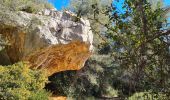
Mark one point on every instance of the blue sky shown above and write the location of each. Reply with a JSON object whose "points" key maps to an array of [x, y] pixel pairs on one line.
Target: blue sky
{"points": [[59, 4], [167, 2]]}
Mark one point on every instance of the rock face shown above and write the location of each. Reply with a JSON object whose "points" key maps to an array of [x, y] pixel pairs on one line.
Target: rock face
{"points": [[27, 33], [62, 57]]}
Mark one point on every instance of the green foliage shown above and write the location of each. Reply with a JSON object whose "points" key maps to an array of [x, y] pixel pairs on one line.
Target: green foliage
{"points": [[40, 95], [139, 46], [136, 43], [60, 82], [88, 8], [148, 96], [92, 81], [18, 82], [30, 6]]}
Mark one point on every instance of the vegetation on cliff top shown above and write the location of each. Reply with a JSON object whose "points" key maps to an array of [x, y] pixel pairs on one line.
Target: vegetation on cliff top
{"points": [[30, 6]]}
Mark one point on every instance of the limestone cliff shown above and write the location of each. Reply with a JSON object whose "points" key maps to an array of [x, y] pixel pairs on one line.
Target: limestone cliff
{"points": [[49, 39]]}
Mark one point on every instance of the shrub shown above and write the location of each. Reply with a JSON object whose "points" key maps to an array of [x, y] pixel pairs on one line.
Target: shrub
{"points": [[18, 82], [40, 95], [30, 6], [94, 80], [148, 96]]}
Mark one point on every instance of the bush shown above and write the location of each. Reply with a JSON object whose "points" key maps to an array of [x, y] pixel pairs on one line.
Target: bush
{"points": [[40, 95], [18, 82], [30, 6], [148, 96], [94, 80]]}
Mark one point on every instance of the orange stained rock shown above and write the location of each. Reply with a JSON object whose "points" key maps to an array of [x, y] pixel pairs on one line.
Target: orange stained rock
{"points": [[15, 47], [60, 57]]}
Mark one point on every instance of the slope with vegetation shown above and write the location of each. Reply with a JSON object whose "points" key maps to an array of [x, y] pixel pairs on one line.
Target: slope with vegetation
{"points": [[31, 6]]}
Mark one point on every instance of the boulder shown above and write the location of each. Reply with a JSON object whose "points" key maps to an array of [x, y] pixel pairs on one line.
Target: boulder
{"points": [[49, 31]]}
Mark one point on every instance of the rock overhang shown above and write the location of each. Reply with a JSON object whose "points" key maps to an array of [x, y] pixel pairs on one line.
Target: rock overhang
{"points": [[28, 33]]}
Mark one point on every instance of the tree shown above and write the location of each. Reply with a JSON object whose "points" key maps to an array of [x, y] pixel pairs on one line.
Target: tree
{"points": [[135, 55], [139, 41], [87, 9]]}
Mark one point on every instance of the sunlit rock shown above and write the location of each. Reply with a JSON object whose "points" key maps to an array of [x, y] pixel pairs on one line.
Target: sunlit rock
{"points": [[48, 30], [61, 57]]}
